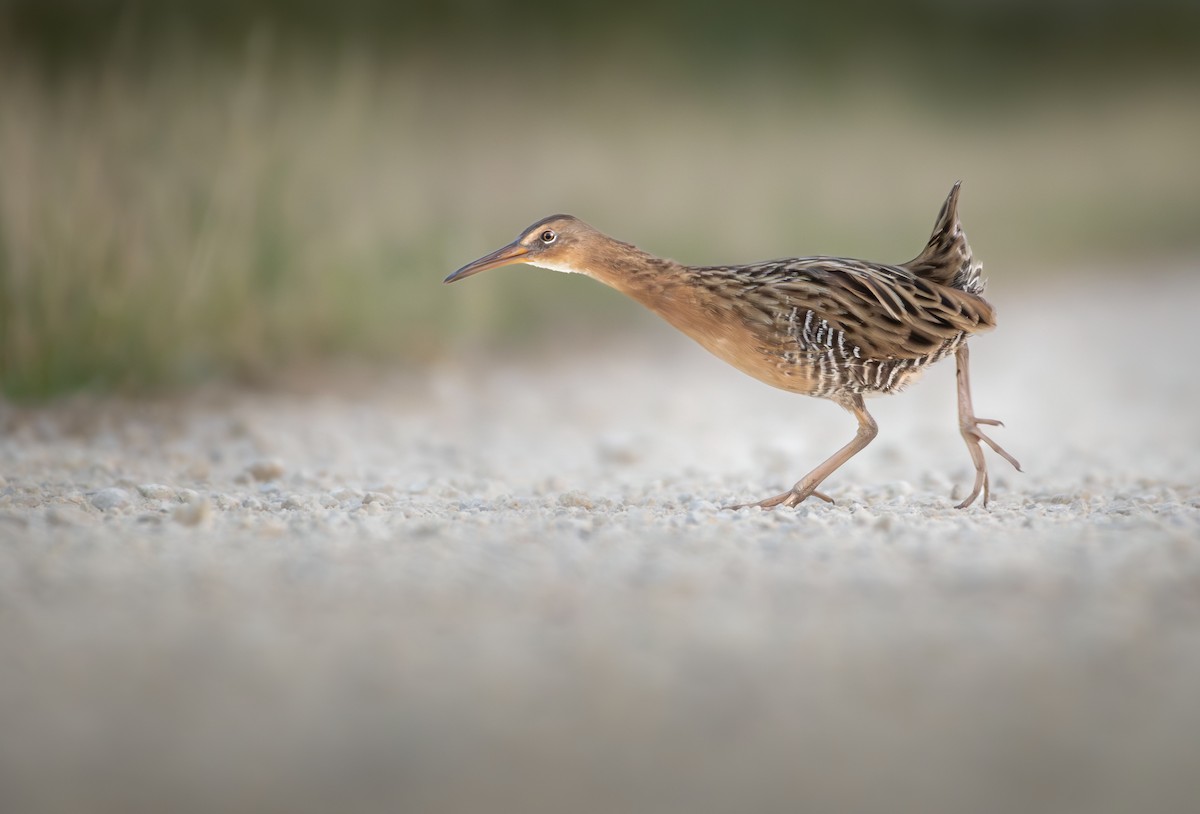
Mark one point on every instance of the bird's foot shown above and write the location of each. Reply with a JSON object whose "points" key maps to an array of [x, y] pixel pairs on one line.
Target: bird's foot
{"points": [[973, 435], [791, 498]]}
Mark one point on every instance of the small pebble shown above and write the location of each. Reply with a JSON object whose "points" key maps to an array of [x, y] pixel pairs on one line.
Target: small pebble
{"points": [[109, 499], [576, 500], [265, 470], [156, 491], [197, 510]]}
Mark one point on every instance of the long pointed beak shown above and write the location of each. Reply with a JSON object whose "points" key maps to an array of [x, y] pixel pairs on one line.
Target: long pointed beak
{"points": [[512, 253]]}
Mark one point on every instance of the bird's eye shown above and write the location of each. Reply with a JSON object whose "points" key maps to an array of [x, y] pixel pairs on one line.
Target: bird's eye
{"points": [[548, 236]]}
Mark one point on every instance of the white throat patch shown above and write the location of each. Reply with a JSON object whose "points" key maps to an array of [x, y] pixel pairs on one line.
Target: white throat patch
{"points": [[563, 267]]}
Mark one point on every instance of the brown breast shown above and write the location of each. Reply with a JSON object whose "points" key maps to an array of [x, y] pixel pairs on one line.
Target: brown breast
{"points": [[825, 327]]}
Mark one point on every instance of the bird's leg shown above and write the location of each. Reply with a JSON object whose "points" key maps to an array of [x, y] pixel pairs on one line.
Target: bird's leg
{"points": [[807, 486], [968, 425]]}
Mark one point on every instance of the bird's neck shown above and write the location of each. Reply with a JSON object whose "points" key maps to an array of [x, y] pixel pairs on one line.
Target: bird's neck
{"points": [[633, 272]]}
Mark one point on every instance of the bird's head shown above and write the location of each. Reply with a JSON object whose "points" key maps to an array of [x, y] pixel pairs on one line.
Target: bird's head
{"points": [[559, 242]]}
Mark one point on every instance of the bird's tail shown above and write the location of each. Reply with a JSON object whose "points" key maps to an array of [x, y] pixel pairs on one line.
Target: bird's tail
{"points": [[947, 258]]}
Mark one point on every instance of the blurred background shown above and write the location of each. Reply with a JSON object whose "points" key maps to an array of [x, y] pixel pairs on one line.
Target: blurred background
{"points": [[233, 188]]}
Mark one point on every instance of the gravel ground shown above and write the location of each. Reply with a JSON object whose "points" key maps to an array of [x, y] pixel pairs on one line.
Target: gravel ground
{"points": [[511, 585]]}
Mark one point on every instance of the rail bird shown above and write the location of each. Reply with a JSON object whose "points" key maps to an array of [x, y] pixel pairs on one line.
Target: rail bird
{"points": [[831, 327]]}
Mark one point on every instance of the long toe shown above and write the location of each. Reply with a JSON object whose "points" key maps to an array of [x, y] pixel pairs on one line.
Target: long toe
{"points": [[999, 450], [793, 498], [981, 485], [772, 502]]}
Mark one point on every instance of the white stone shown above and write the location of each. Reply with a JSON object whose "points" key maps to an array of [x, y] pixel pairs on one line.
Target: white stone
{"points": [[111, 498], [196, 511], [156, 491]]}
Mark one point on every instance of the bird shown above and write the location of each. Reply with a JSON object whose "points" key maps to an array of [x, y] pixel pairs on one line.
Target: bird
{"points": [[830, 327]]}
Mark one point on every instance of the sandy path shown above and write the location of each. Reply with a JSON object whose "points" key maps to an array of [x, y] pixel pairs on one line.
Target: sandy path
{"points": [[512, 586]]}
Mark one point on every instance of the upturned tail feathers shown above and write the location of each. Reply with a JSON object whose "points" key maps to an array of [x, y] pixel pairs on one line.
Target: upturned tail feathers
{"points": [[947, 257]]}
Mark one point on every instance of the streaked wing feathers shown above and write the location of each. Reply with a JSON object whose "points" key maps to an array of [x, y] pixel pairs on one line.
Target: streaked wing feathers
{"points": [[886, 312]]}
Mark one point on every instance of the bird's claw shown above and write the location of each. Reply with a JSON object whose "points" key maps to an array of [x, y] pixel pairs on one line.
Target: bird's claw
{"points": [[973, 436], [971, 428], [791, 498]]}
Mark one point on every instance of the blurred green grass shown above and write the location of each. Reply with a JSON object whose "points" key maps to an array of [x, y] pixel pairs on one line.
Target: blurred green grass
{"points": [[193, 218]]}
